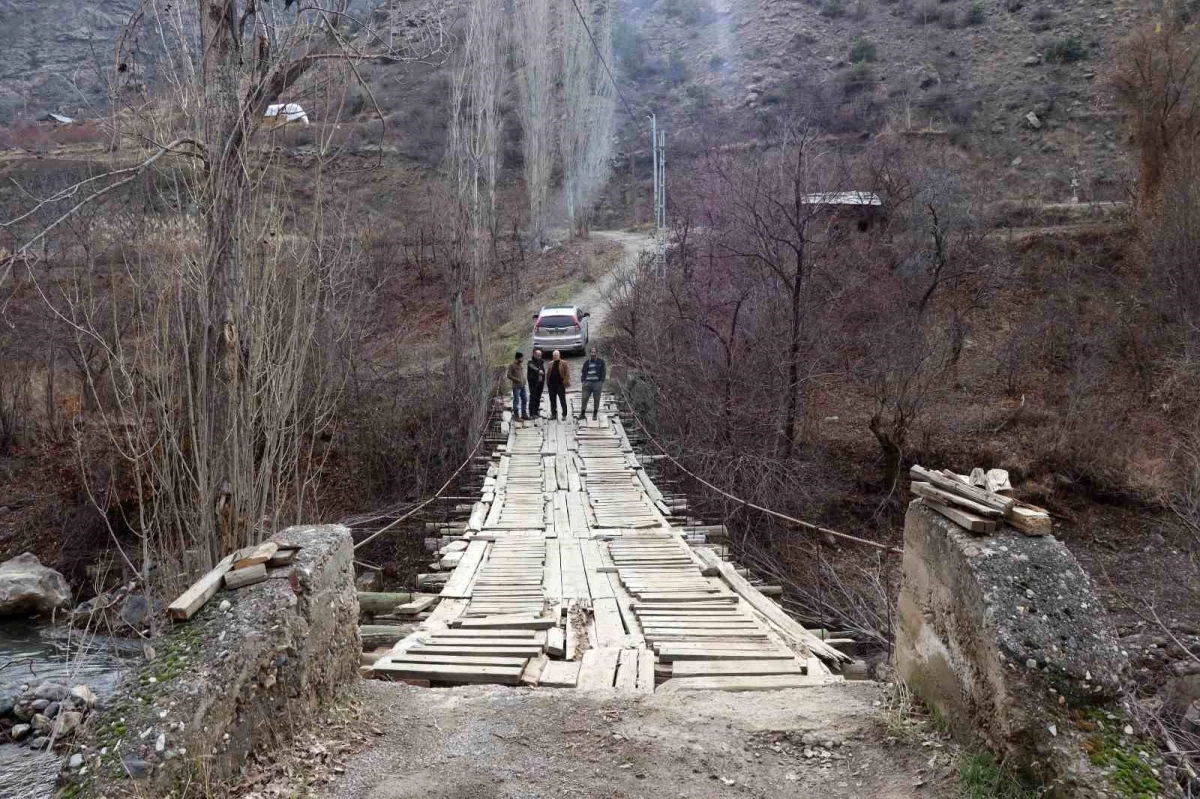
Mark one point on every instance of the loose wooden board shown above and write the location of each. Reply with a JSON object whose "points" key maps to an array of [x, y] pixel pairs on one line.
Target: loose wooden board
{"points": [[441, 672], [742, 668], [252, 556], [768, 682], [200, 592], [247, 576]]}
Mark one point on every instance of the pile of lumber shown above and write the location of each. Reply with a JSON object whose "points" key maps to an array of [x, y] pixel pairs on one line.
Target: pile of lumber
{"points": [[978, 501], [238, 570]]}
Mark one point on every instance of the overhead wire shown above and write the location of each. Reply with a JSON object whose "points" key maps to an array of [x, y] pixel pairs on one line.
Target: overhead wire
{"points": [[600, 55]]}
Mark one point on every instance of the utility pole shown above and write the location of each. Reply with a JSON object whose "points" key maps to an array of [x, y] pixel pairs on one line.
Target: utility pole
{"points": [[658, 141]]}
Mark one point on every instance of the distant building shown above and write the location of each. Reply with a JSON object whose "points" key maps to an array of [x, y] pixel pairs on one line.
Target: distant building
{"points": [[863, 207], [281, 114], [57, 119]]}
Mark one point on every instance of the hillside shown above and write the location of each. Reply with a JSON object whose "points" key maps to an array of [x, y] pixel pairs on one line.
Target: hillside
{"points": [[968, 71]]}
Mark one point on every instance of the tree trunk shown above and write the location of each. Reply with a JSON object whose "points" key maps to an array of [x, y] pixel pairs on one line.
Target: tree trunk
{"points": [[793, 379]]}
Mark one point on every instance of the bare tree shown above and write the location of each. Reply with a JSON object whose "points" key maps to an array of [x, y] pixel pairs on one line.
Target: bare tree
{"points": [[473, 154], [533, 37], [588, 107], [1158, 77], [216, 396]]}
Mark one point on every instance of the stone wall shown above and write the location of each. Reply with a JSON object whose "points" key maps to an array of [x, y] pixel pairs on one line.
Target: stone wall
{"points": [[1004, 636], [245, 672]]}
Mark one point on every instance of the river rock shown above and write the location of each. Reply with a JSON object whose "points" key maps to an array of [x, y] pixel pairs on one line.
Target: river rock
{"points": [[51, 710], [40, 723], [39, 705], [54, 692], [20, 731], [67, 722], [85, 695], [26, 586], [76, 761]]}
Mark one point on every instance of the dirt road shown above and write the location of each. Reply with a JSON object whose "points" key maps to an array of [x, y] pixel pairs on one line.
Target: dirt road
{"points": [[486, 742]]}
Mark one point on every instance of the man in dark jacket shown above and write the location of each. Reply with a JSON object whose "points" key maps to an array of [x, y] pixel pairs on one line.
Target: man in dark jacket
{"points": [[516, 378], [537, 381], [558, 377], [594, 372]]}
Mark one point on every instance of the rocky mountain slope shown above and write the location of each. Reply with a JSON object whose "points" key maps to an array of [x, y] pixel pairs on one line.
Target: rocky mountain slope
{"points": [[1019, 86], [52, 54]]}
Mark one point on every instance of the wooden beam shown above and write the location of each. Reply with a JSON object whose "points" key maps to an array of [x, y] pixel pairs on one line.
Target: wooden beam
{"points": [[252, 556], [929, 491], [200, 592], [1001, 503], [969, 521], [247, 576], [767, 682], [377, 602]]}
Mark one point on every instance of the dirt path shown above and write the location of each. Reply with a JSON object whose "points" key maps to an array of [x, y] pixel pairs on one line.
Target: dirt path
{"points": [[485, 742], [595, 297]]}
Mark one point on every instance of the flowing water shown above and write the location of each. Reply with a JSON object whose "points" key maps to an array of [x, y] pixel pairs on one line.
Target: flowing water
{"points": [[32, 653]]}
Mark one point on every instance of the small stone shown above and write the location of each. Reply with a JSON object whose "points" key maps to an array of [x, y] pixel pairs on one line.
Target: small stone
{"points": [[20, 731], [1032, 61], [76, 761], [39, 705], [51, 710], [135, 767], [224, 606], [39, 742], [161, 743], [1033, 121], [1031, 664], [40, 723]]}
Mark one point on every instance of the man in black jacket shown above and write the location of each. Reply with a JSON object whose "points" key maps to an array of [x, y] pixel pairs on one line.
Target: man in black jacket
{"points": [[537, 381], [593, 373]]}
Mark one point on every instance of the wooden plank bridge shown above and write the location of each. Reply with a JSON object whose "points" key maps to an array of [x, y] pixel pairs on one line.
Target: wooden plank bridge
{"points": [[572, 577]]}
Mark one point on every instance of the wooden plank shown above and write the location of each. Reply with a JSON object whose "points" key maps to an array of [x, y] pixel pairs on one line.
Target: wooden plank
{"points": [[1001, 503], [247, 576], [252, 556], [946, 498], [711, 563], [968, 521], [459, 584], [610, 632], [417, 606], [645, 679], [283, 557], [598, 670], [744, 668], [507, 650], [1030, 520], [669, 653], [775, 615], [560, 674], [191, 600], [459, 660], [515, 635], [514, 622], [442, 672], [627, 670], [533, 670], [767, 682]]}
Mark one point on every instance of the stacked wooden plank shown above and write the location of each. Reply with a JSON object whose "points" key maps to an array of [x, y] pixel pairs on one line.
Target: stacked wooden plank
{"points": [[237, 570], [510, 579], [463, 656], [975, 501]]}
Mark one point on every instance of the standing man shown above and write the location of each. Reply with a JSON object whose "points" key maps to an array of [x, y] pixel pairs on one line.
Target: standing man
{"points": [[558, 377], [594, 372], [516, 376], [536, 374]]}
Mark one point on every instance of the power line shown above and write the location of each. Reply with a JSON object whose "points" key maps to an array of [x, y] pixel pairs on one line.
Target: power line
{"points": [[611, 79]]}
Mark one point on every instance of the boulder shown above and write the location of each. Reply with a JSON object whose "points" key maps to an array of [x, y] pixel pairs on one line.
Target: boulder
{"points": [[51, 691], [20, 731], [66, 723], [40, 723], [26, 586]]}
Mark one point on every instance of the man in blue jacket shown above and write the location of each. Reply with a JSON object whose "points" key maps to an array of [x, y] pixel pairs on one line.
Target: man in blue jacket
{"points": [[593, 373]]}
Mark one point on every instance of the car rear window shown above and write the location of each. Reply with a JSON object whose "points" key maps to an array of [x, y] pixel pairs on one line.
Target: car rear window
{"points": [[556, 321]]}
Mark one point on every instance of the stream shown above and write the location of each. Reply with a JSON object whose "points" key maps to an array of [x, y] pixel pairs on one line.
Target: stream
{"points": [[31, 653]]}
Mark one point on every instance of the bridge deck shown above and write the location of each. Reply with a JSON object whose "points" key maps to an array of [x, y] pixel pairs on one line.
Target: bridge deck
{"points": [[574, 578]]}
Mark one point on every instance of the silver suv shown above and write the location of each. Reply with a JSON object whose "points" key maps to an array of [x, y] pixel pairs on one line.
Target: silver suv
{"points": [[560, 328]]}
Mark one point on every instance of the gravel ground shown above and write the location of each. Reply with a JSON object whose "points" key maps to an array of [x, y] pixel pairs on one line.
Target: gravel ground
{"points": [[486, 742]]}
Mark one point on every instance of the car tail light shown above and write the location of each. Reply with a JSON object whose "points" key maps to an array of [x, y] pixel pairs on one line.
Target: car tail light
{"points": [[577, 327]]}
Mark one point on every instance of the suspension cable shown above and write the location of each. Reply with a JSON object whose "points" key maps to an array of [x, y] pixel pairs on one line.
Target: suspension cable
{"points": [[748, 504]]}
